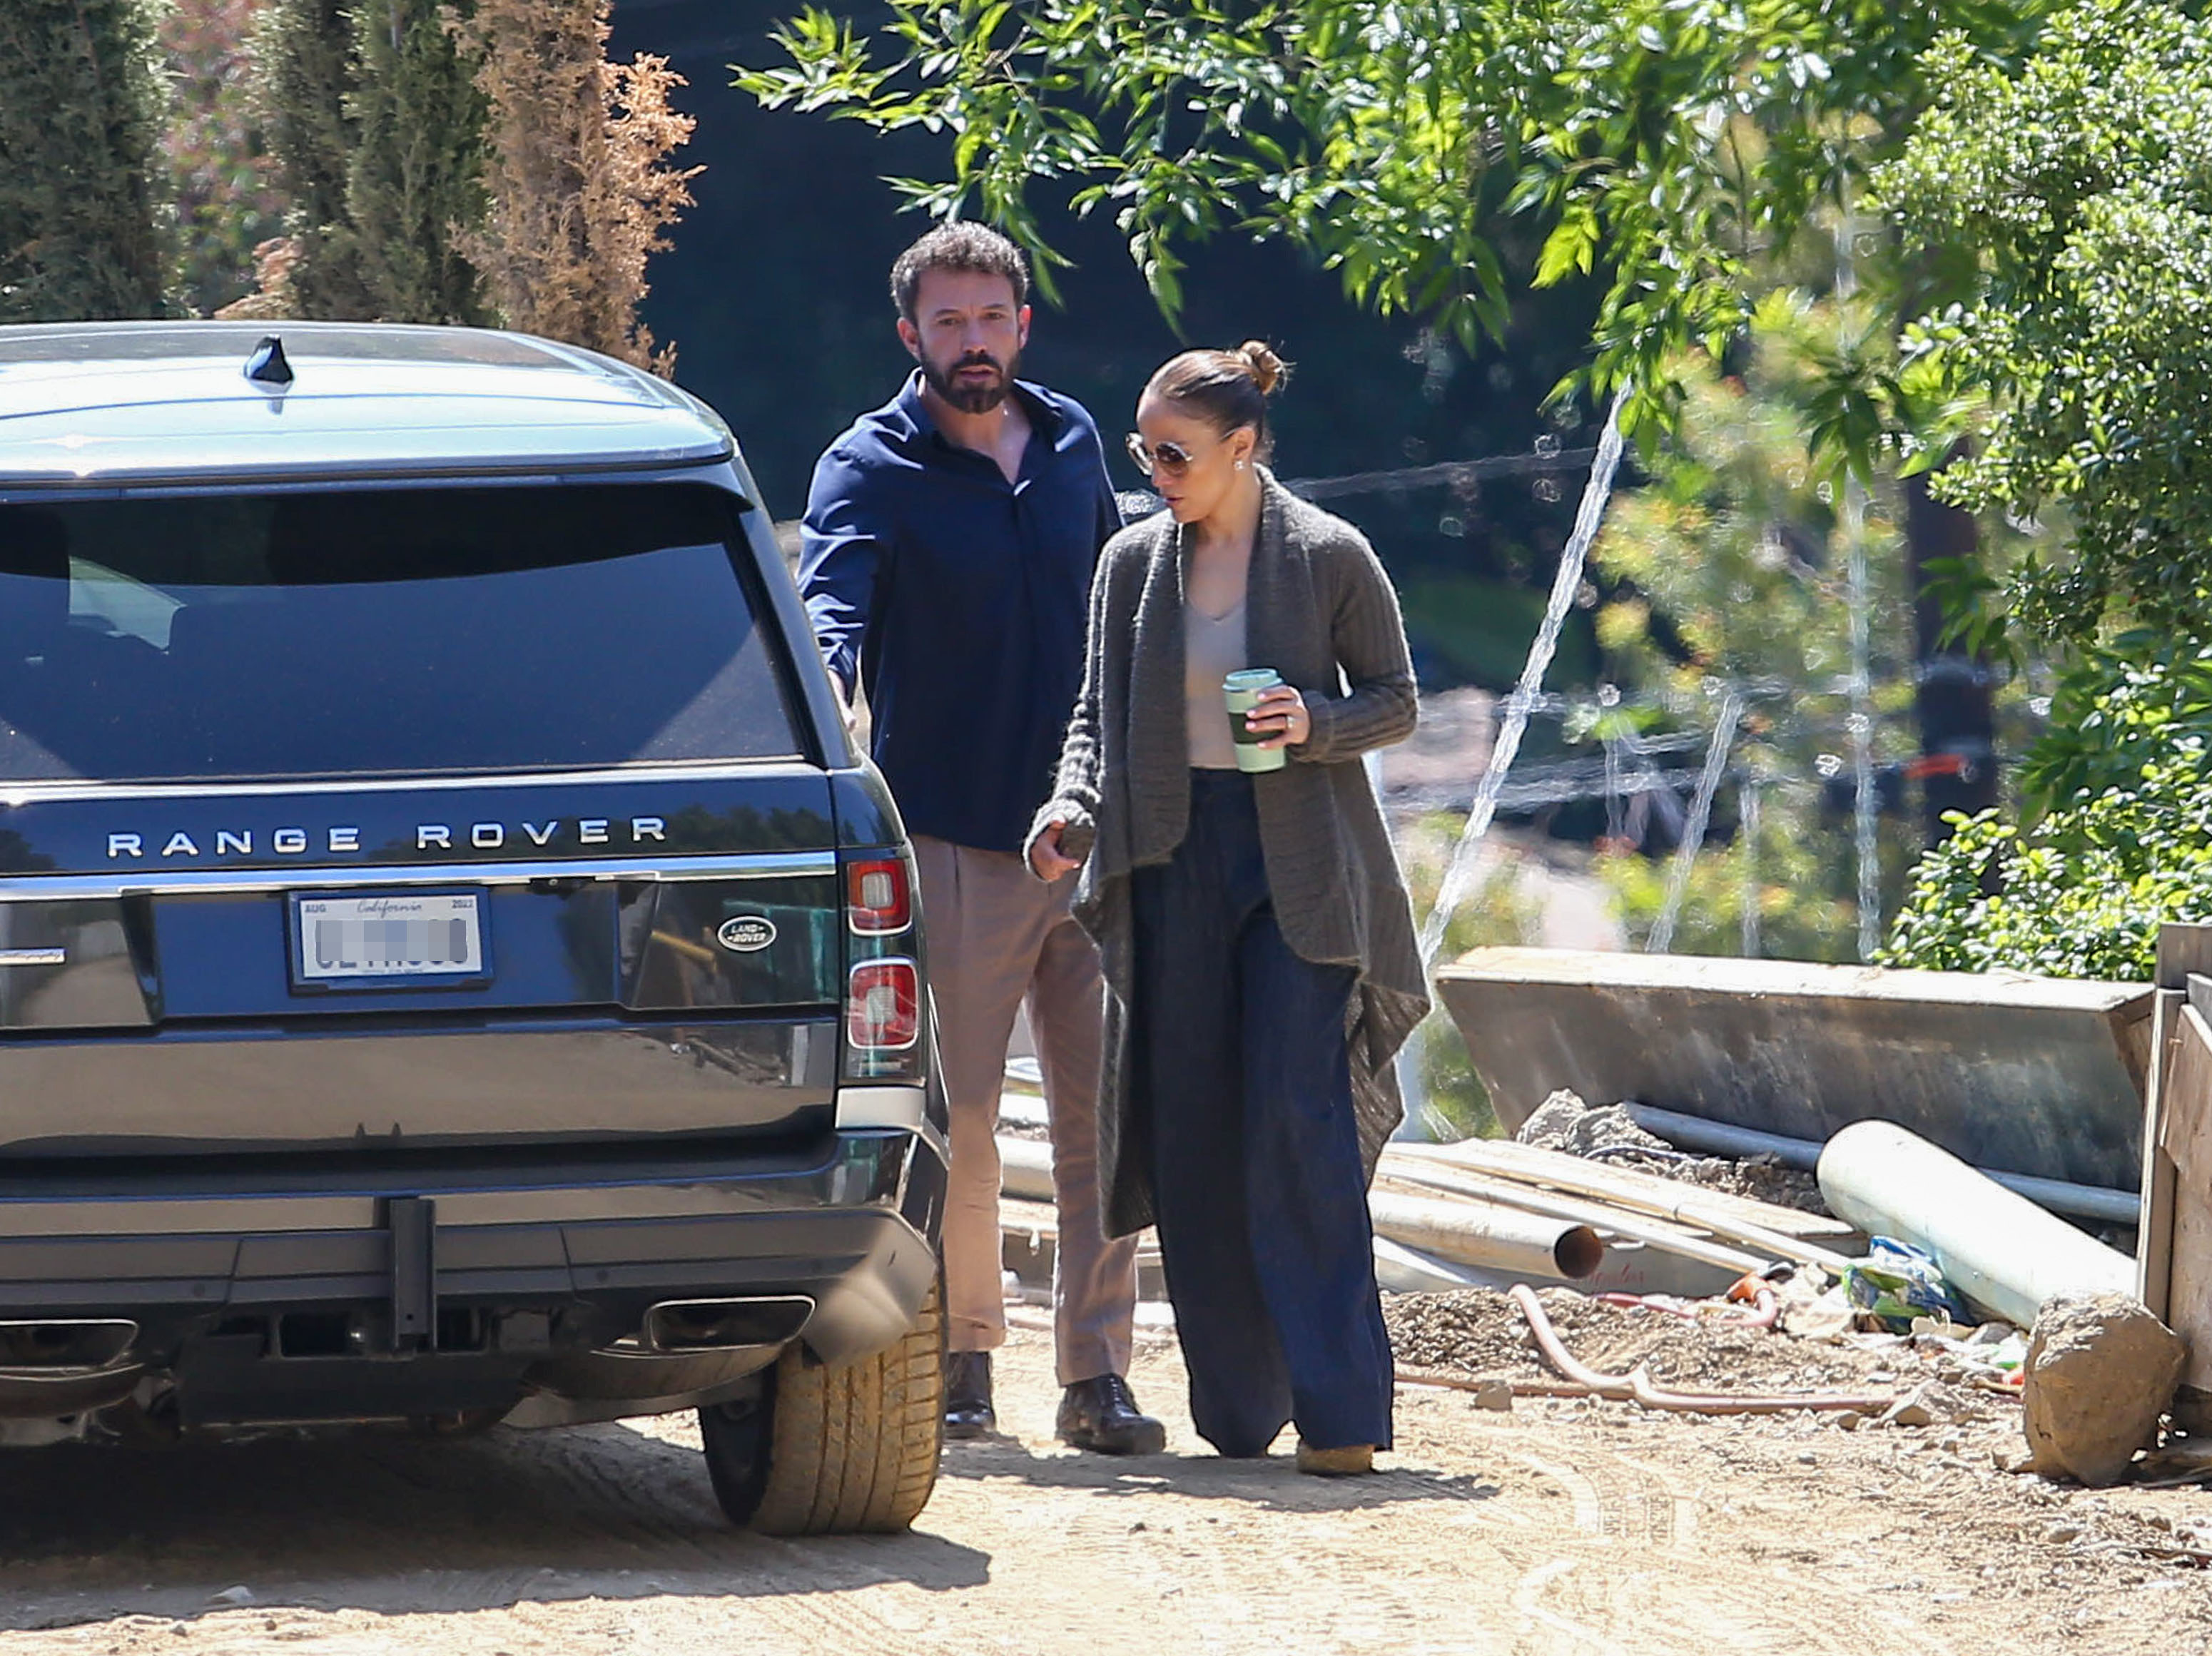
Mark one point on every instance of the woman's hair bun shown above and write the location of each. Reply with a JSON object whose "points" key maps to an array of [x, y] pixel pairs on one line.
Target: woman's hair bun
{"points": [[1269, 370]]}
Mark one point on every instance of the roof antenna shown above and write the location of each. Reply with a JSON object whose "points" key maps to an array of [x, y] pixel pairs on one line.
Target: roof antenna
{"points": [[267, 366]]}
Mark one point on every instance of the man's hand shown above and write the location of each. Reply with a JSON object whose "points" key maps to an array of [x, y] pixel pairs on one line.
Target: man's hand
{"points": [[1045, 855], [1281, 716], [844, 693]]}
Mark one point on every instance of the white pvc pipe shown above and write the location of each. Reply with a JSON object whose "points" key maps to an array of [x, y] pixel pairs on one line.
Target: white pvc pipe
{"points": [[1483, 1234], [2001, 1252], [1402, 1270], [1694, 1132], [1026, 1169]]}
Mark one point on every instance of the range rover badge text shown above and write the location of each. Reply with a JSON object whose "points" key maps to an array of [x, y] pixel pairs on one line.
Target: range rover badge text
{"points": [[559, 834]]}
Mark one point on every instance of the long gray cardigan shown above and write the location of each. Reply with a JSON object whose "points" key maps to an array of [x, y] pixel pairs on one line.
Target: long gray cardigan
{"points": [[1316, 600]]}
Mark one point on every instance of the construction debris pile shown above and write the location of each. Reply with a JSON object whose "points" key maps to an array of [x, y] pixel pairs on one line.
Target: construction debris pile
{"points": [[1484, 1334], [1877, 1281], [1586, 1197], [1682, 1360], [1565, 1123]]}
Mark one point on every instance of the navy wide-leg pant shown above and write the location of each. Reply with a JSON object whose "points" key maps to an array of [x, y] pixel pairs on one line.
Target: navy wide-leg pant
{"points": [[1255, 1167]]}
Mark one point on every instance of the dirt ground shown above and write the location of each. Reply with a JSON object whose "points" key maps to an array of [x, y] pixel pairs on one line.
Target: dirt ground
{"points": [[1558, 1528]]}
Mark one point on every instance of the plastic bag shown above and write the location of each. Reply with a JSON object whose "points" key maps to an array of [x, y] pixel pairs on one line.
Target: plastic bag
{"points": [[1897, 1282]]}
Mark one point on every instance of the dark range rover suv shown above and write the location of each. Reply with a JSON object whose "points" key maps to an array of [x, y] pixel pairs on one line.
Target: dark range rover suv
{"points": [[454, 968]]}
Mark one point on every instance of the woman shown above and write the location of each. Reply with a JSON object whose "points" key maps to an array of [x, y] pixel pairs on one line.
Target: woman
{"points": [[1258, 943]]}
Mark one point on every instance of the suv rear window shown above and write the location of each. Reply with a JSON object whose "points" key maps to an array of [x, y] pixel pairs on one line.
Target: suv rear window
{"points": [[391, 632]]}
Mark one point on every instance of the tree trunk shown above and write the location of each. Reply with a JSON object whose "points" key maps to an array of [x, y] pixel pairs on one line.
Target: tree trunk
{"points": [[1952, 690]]}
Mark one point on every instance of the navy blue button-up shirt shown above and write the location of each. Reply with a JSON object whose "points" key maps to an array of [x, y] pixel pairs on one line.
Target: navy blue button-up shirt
{"points": [[958, 601]]}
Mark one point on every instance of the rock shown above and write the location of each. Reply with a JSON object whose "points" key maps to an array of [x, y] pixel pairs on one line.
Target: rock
{"points": [[232, 1596], [1911, 1409], [1563, 1122], [1494, 1394], [2100, 1370], [1553, 1121]]}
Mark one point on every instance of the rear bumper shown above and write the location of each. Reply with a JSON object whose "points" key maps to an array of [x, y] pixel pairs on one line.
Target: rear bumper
{"points": [[466, 1290]]}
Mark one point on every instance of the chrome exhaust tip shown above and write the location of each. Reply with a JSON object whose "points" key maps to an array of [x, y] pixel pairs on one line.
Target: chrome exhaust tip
{"points": [[54, 1347], [726, 1325]]}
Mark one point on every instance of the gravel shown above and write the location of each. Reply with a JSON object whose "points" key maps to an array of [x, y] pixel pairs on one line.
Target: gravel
{"points": [[1477, 1331]]}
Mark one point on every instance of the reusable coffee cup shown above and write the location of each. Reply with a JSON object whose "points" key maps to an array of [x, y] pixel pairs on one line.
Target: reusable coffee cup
{"points": [[1240, 690]]}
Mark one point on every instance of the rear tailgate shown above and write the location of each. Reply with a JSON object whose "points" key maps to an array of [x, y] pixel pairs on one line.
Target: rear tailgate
{"points": [[405, 816], [667, 961]]}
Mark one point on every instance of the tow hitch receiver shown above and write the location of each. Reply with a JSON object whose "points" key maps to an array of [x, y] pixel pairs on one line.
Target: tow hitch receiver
{"points": [[412, 1222]]}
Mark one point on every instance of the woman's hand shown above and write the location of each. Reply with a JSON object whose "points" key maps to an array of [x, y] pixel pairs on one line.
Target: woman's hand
{"points": [[1045, 855], [1280, 715]]}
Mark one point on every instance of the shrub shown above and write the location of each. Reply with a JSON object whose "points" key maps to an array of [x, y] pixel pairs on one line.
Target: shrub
{"points": [[81, 118], [580, 189], [2079, 894]]}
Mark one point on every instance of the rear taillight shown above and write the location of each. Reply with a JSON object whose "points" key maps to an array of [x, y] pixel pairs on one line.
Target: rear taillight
{"points": [[882, 1006], [877, 898]]}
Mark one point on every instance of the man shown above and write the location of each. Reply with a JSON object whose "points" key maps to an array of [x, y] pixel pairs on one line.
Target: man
{"points": [[948, 547]]}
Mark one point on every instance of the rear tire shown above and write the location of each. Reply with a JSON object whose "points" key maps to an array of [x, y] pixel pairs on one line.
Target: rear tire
{"points": [[842, 1449]]}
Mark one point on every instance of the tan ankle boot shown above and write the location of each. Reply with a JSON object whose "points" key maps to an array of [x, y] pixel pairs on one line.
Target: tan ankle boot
{"points": [[1351, 1461]]}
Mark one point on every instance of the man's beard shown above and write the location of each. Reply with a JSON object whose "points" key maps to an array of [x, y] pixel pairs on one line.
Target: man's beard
{"points": [[971, 399]]}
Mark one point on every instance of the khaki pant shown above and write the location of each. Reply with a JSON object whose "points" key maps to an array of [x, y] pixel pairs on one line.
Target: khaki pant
{"points": [[999, 935]]}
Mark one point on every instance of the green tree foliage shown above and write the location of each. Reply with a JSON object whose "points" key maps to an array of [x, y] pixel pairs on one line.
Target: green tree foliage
{"points": [[304, 77], [1726, 573], [222, 179], [2078, 364], [414, 189], [2118, 708], [2081, 894], [2081, 363], [377, 127], [1674, 147], [81, 102], [1734, 545]]}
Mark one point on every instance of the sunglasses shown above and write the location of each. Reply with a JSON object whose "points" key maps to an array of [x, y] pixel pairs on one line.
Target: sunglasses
{"points": [[1172, 458]]}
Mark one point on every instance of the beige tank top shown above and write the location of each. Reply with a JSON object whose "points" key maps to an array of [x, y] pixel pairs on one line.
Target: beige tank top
{"points": [[1213, 648]]}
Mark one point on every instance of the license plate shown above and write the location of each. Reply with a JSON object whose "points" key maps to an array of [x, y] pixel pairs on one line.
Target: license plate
{"points": [[399, 937]]}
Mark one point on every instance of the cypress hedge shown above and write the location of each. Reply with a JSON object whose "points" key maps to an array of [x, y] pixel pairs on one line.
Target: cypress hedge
{"points": [[83, 101]]}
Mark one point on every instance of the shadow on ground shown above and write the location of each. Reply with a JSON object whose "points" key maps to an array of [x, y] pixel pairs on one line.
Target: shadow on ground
{"points": [[393, 1524], [1273, 1483]]}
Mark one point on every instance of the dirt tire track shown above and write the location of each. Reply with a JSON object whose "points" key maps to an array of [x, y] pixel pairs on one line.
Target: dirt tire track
{"points": [[1554, 1530]]}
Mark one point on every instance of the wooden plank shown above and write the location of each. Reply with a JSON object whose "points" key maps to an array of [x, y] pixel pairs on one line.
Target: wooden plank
{"points": [[2185, 1140], [2133, 1031], [2183, 949], [2188, 1309], [2186, 1124], [1647, 1193], [2183, 952], [2155, 1241]]}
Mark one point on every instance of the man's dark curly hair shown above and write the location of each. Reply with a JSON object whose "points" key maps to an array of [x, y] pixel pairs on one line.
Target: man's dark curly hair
{"points": [[959, 245]]}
